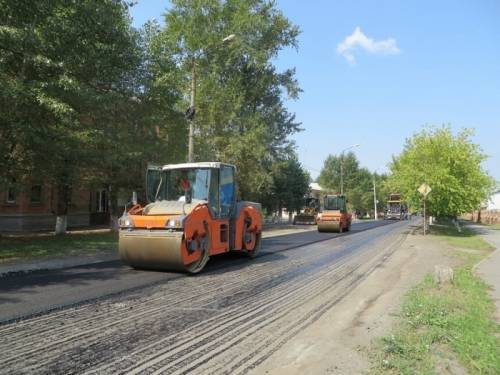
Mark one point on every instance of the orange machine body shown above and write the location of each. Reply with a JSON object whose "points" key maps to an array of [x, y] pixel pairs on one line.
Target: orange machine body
{"points": [[334, 216], [185, 240]]}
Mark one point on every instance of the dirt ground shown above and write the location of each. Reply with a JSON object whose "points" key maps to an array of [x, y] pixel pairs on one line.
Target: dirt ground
{"points": [[338, 343]]}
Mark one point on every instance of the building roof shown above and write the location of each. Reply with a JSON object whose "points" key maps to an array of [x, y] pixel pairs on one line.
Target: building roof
{"points": [[204, 164], [494, 202], [315, 186]]}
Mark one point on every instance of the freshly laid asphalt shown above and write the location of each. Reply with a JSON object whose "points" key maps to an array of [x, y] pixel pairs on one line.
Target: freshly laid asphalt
{"points": [[27, 294]]}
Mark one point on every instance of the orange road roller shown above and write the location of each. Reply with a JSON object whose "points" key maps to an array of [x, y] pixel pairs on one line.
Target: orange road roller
{"points": [[192, 215], [334, 216]]}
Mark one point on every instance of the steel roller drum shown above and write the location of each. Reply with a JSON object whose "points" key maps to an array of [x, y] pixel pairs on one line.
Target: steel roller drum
{"points": [[159, 250], [329, 226]]}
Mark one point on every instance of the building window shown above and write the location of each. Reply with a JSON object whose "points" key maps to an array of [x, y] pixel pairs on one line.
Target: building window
{"points": [[36, 194], [11, 194], [101, 201]]}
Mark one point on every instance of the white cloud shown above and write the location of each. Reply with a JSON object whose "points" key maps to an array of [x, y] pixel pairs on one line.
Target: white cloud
{"points": [[359, 41]]}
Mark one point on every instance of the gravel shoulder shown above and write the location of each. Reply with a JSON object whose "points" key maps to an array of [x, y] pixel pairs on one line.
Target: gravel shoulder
{"points": [[339, 342]]}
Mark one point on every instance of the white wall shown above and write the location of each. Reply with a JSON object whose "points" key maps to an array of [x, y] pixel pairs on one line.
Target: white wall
{"points": [[494, 202]]}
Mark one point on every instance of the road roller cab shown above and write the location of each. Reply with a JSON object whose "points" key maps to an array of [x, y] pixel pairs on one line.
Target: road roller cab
{"points": [[334, 216], [192, 214]]}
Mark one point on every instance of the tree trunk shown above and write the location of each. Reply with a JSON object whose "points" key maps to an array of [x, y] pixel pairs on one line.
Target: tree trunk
{"points": [[290, 217], [61, 224], [63, 192], [113, 209]]}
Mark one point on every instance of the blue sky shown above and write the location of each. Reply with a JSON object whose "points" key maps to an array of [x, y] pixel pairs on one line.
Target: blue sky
{"points": [[410, 64]]}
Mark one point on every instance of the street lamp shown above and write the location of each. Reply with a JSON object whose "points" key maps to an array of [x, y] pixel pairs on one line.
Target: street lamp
{"points": [[375, 195], [342, 167], [191, 110]]}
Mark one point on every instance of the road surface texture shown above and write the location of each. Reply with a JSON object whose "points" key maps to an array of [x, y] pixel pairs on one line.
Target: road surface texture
{"points": [[108, 318]]}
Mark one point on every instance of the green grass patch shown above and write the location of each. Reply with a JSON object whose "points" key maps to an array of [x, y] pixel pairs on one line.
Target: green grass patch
{"points": [[494, 226], [443, 327], [465, 239], [23, 248]]}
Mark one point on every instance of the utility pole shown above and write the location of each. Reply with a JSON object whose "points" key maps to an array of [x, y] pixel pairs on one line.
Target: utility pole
{"points": [[341, 174], [425, 219], [375, 198], [191, 112]]}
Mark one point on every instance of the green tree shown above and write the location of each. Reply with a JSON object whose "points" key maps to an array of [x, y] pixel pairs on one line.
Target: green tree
{"points": [[290, 184], [240, 116], [383, 190], [329, 176], [360, 195], [67, 74], [450, 164], [357, 181]]}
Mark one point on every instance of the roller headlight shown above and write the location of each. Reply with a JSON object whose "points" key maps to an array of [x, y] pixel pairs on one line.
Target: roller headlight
{"points": [[175, 223], [126, 222]]}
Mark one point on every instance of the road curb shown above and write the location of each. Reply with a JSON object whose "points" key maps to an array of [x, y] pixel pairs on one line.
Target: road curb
{"points": [[484, 260], [53, 264], [475, 266], [25, 267]]}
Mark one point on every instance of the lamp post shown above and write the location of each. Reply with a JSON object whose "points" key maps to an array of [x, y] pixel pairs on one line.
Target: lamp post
{"points": [[342, 167], [375, 195], [191, 110]]}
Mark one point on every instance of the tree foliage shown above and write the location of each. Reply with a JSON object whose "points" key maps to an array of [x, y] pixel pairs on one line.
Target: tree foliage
{"points": [[240, 115], [358, 181], [450, 164], [87, 99], [290, 184], [63, 66]]}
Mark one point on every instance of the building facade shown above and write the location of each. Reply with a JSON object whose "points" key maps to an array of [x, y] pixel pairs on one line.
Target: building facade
{"points": [[33, 208]]}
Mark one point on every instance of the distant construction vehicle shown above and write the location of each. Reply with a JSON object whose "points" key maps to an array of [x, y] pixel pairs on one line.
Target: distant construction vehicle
{"points": [[308, 214], [192, 215], [396, 209], [334, 216]]}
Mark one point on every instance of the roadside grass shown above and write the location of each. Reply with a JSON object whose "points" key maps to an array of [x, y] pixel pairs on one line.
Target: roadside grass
{"points": [[445, 328], [23, 248], [466, 239]]}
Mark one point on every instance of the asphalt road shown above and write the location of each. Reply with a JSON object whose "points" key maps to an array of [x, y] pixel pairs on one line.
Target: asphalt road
{"points": [[109, 318]]}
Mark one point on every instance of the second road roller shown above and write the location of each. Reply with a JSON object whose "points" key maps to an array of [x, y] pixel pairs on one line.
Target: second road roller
{"points": [[192, 215], [334, 216]]}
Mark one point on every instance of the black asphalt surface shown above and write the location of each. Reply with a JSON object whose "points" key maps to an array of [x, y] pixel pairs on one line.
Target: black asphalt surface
{"points": [[29, 294]]}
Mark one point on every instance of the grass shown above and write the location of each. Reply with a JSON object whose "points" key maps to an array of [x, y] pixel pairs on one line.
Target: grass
{"points": [[494, 226], [445, 328], [23, 248], [442, 328], [466, 239]]}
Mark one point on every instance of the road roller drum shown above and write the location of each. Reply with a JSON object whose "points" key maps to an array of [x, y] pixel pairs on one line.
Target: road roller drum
{"points": [[192, 215], [334, 216]]}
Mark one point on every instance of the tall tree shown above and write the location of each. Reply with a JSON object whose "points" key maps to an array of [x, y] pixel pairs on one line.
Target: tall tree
{"points": [[290, 184], [330, 175], [66, 71], [451, 164], [240, 116], [357, 181]]}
